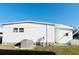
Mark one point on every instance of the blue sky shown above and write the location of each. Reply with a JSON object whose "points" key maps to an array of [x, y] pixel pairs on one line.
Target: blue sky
{"points": [[55, 13]]}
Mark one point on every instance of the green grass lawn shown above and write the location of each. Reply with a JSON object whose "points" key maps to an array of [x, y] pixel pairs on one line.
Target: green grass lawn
{"points": [[7, 46], [60, 50]]}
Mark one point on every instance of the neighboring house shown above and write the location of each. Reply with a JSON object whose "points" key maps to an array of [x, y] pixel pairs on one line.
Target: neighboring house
{"points": [[49, 33]]}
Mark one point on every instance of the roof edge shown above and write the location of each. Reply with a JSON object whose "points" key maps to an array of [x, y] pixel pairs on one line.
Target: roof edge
{"points": [[37, 22]]}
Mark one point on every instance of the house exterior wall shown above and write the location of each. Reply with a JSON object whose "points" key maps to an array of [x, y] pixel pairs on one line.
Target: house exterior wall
{"points": [[61, 37], [1, 35], [31, 31], [50, 34]]}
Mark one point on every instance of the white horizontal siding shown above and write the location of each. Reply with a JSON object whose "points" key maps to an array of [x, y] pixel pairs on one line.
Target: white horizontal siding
{"points": [[31, 32]]}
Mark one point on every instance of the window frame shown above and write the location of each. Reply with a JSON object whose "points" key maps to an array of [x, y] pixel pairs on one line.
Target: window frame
{"points": [[66, 34], [15, 29], [21, 29]]}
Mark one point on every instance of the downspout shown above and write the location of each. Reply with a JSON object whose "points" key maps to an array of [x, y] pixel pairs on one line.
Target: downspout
{"points": [[46, 35], [55, 34]]}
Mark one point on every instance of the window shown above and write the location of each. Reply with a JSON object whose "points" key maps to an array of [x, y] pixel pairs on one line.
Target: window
{"points": [[66, 34], [15, 29], [21, 29], [18, 30]]}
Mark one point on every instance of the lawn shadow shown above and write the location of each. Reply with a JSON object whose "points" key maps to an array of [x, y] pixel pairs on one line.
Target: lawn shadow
{"points": [[25, 52]]}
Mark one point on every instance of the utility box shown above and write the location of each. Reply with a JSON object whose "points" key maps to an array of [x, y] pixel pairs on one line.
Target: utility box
{"points": [[27, 44]]}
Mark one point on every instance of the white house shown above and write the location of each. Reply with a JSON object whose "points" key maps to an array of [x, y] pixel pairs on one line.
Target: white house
{"points": [[42, 32]]}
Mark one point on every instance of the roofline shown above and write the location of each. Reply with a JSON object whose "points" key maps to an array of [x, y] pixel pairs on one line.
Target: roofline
{"points": [[64, 28], [35, 22], [19, 22]]}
